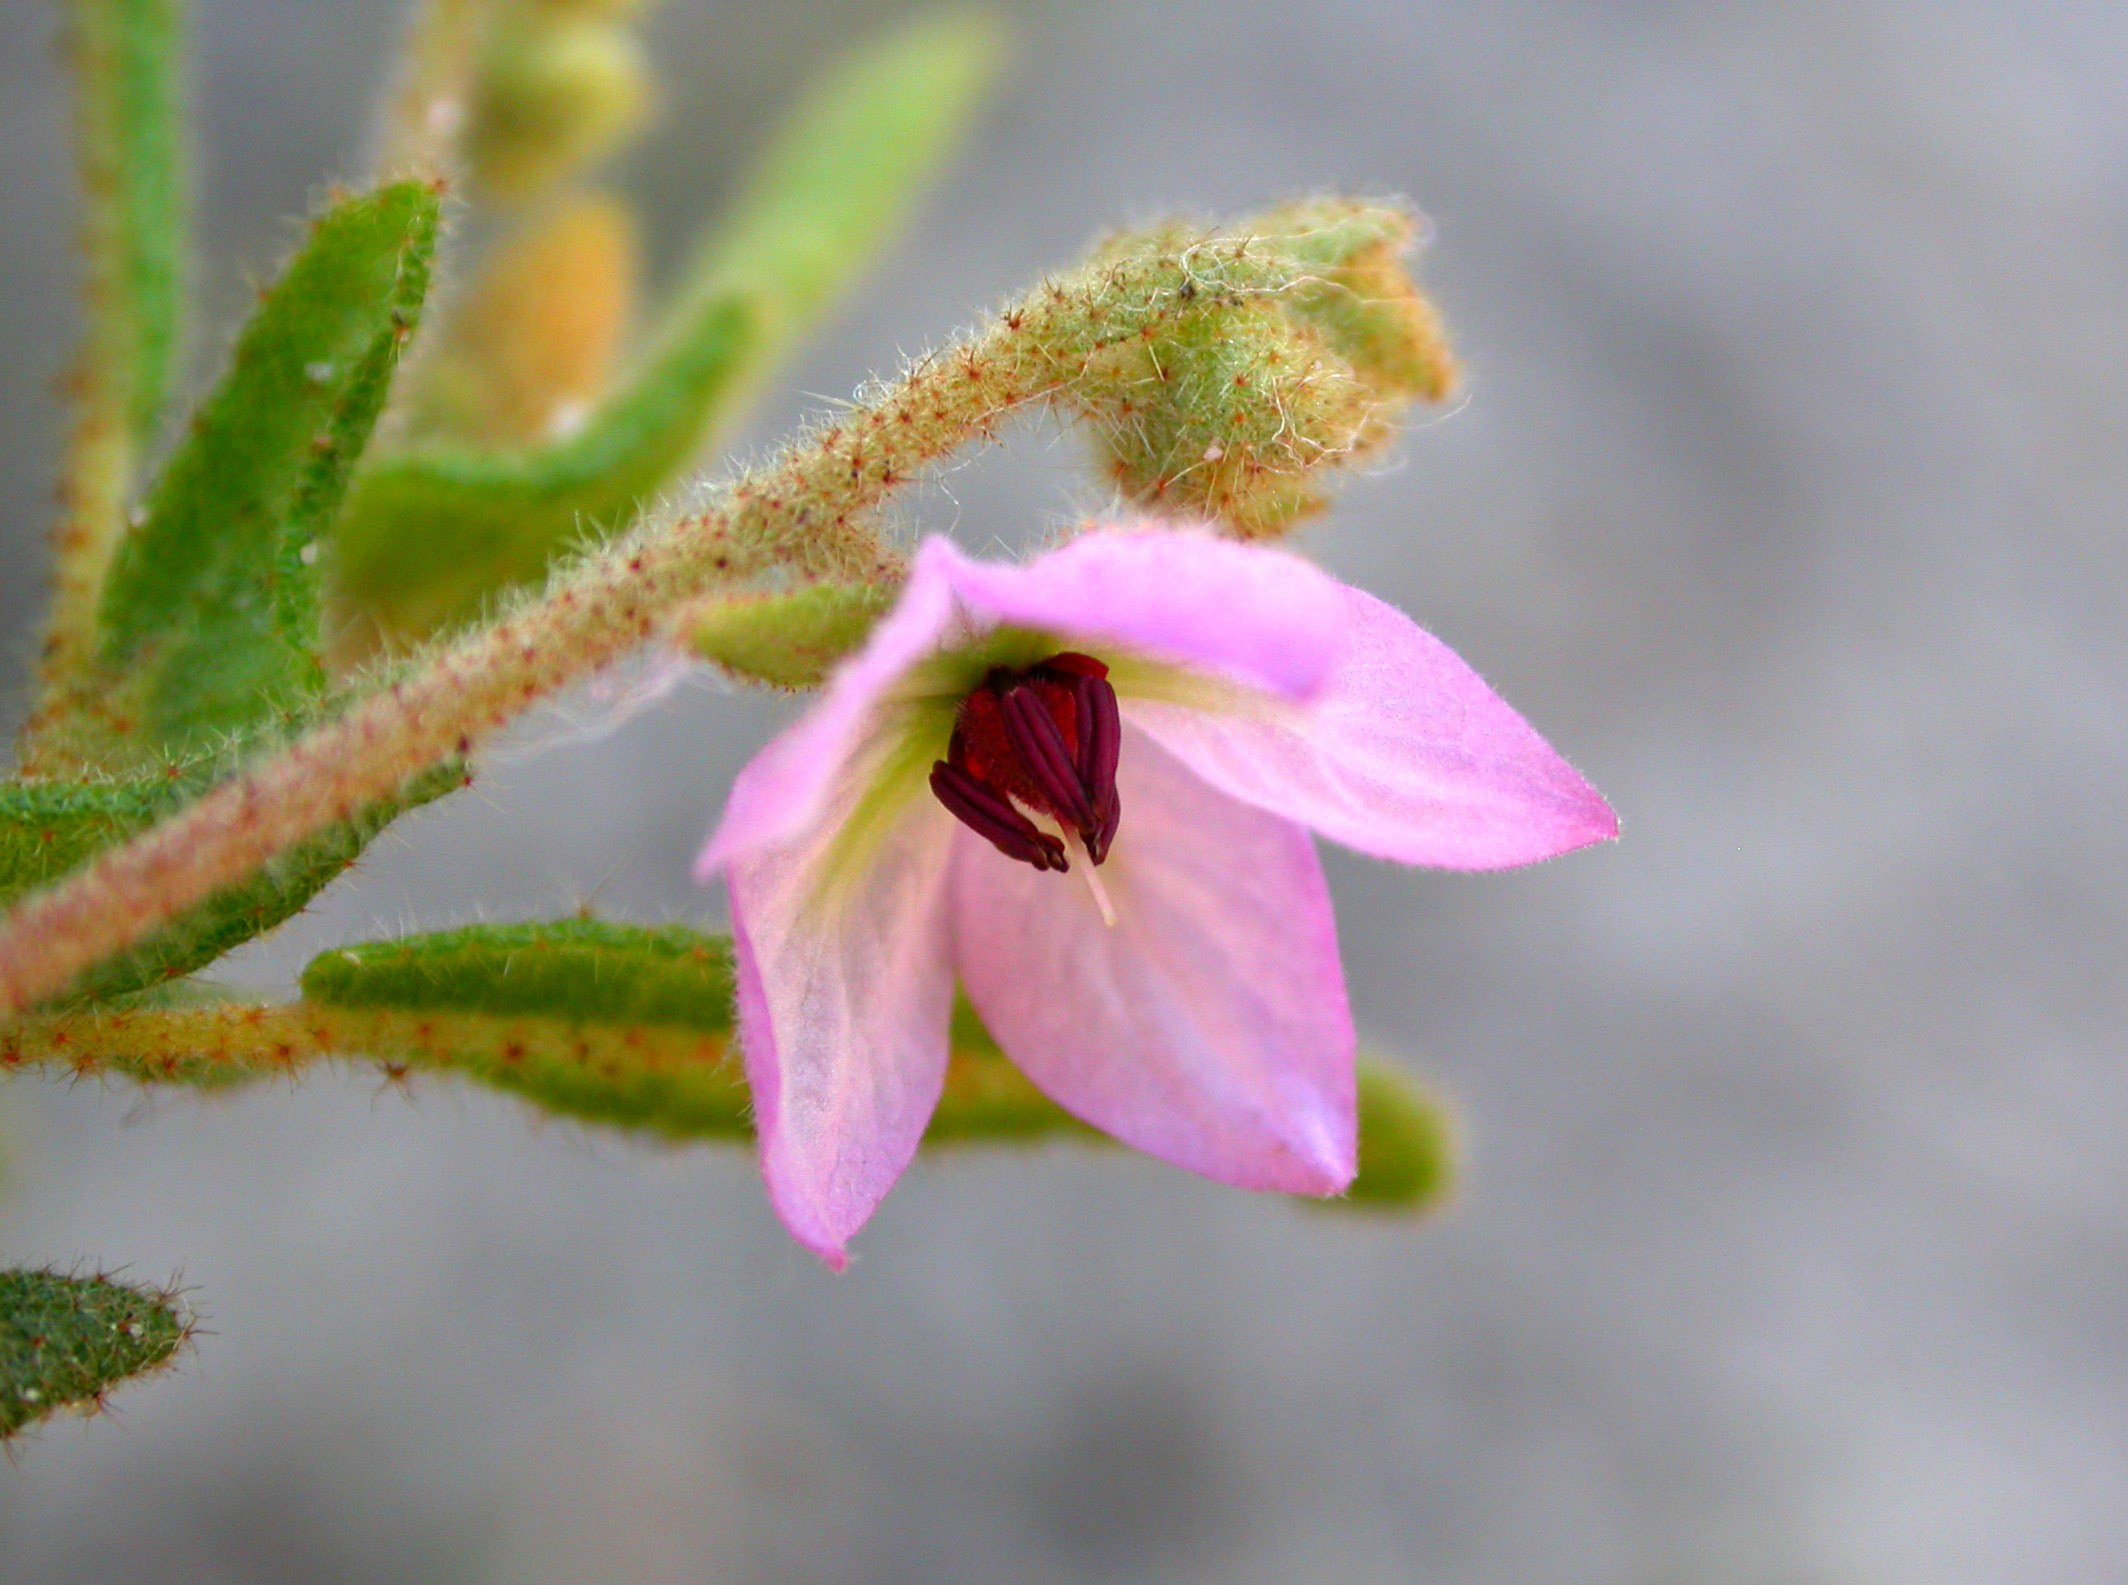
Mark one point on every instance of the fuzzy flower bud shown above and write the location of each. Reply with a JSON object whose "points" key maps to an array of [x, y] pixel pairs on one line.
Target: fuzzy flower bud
{"points": [[557, 94]]}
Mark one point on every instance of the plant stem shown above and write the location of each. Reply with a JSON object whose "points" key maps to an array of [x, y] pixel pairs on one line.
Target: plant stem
{"points": [[809, 510], [217, 1045], [433, 100]]}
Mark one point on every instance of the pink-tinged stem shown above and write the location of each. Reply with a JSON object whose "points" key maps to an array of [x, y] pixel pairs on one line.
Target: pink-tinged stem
{"points": [[810, 510]]}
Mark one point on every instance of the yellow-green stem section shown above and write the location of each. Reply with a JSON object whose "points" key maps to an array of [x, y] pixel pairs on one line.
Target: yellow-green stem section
{"points": [[433, 99], [117, 378], [682, 1084]]}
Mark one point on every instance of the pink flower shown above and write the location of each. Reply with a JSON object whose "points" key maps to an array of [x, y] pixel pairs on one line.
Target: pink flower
{"points": [[1084, 788]]}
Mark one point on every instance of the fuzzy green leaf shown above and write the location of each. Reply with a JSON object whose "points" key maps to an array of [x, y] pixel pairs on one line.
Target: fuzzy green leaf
{"points": [[210, 617], [570, 1014], [432, 532], [127, 54], [583, 970], [791, 640], [49, 828], [66, 1341], [270, 896]]}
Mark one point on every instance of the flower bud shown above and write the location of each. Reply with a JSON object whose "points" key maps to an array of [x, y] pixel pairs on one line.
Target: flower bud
{"points": [[556, 95]]}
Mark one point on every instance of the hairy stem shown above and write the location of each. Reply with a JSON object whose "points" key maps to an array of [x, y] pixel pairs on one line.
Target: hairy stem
{"points": [[227, 1045], [678, 1082], [808, 510]]}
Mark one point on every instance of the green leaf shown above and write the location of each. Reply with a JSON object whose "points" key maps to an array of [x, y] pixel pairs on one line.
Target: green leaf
{"points": [[47, 828], [432, 532], [566, 1014], [582, 970], [1408, 1147], [569, 1015], [210, 617], [127, 53], [791, 640], [50, 828], [272, 895], [66, 1341]]}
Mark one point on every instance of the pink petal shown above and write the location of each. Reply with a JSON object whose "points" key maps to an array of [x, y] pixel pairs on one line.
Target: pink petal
{"points": [[1209, 1026], [1405, 753], [785, 787], [1250, 614], [845, 992]]}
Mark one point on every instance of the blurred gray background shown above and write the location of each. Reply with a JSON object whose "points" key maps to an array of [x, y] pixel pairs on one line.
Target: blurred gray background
{"points": [[1794, 1249]]}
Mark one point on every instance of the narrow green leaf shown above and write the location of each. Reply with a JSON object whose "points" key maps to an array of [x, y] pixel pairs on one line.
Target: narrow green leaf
{"points": [[47, 828], [432, 532], [50, 828], [583, 970], [568, 1014], [211, 613], [66, 1341], [124, 54], [269, 897], [131, 113], [791, 640]]}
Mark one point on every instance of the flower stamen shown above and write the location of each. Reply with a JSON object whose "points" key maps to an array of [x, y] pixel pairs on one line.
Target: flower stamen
{"points": [[994, 819], [1041, 741]]}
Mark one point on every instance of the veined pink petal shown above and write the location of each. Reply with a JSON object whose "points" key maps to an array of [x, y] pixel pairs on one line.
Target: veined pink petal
{"points": [[845, 992], [785, 787], [1209, 1025], [1404, 753], [1247, 613]]}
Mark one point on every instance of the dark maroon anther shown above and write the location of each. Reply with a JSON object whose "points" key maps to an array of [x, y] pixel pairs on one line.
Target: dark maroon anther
{"points": [[1100, 741], [1043, 740], [1039, 741], [996, 821], [1097, 844]]}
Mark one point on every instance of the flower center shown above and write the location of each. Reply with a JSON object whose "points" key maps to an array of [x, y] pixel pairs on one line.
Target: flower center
{"points": [[1041, 740]]}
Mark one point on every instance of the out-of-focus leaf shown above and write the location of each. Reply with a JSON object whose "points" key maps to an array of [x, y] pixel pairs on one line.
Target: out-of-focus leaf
{"points": [[1408, 1150], [431, 532], [48, 827], [67, 1341], [211, 613], [847, 169]]}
